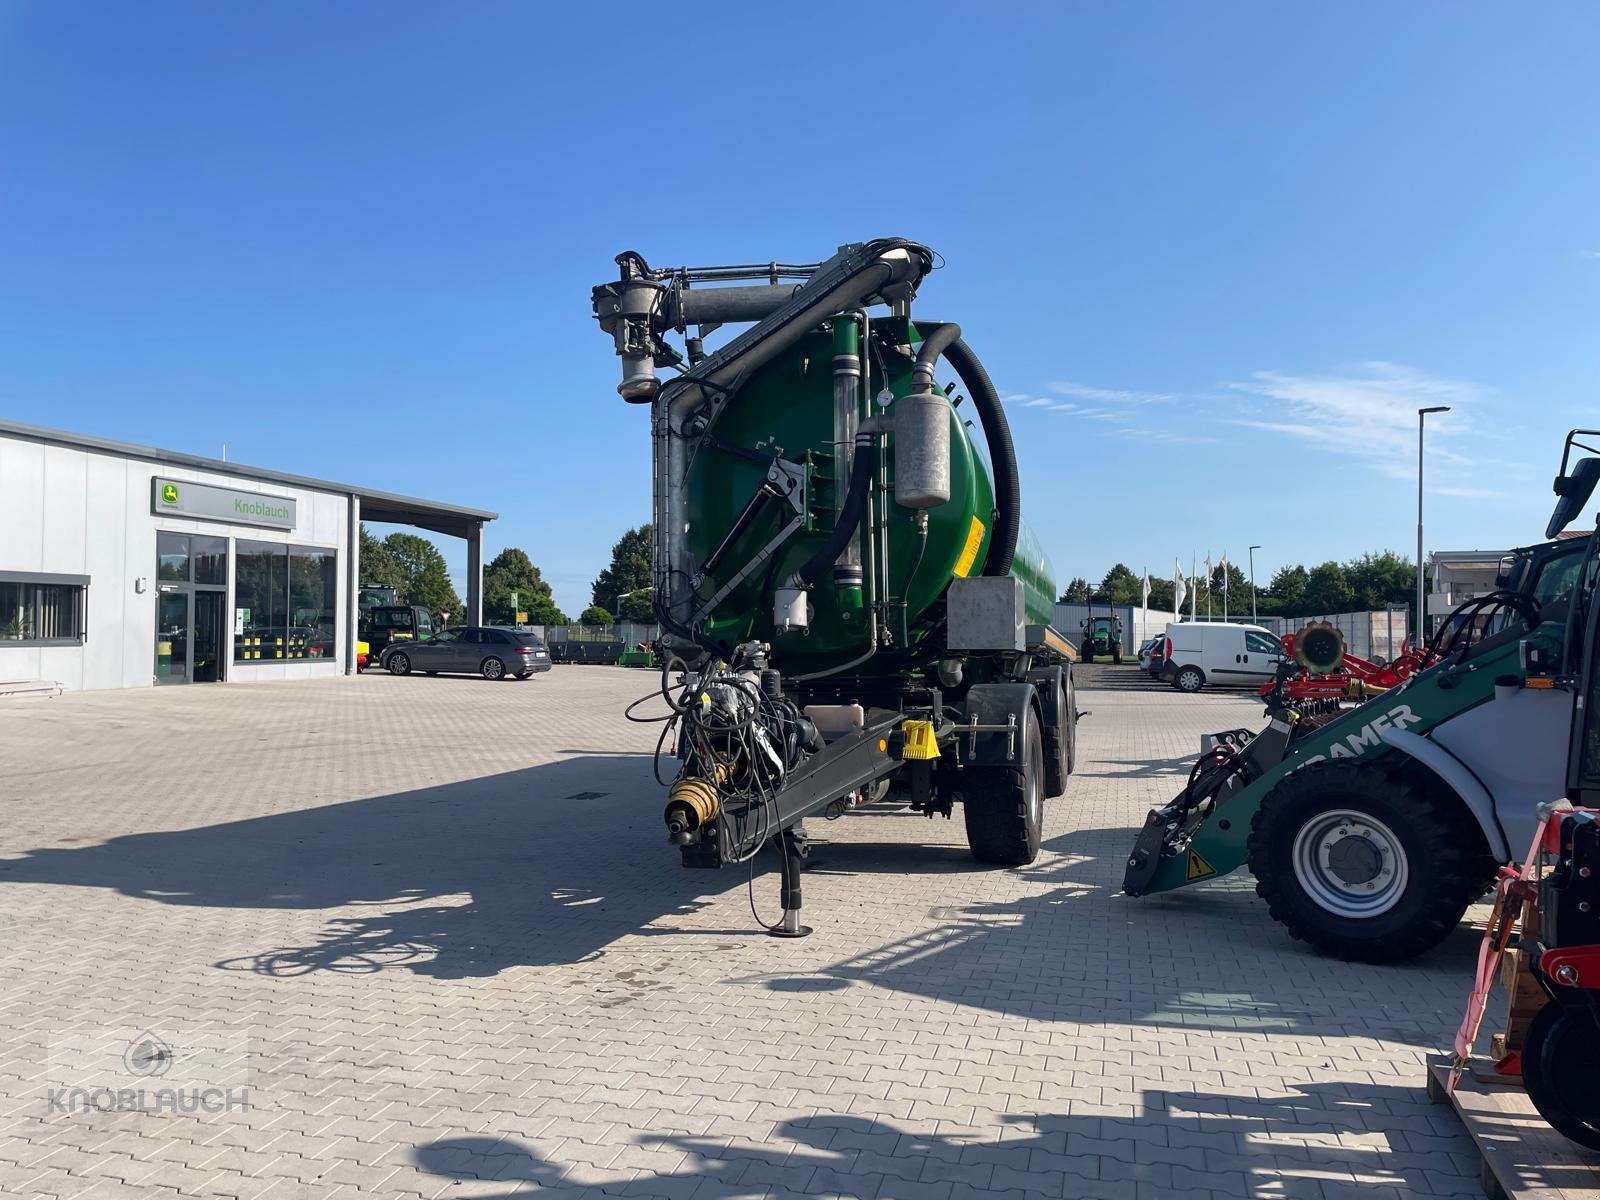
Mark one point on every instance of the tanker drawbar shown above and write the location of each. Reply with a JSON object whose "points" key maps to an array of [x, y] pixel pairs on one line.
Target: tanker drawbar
{"points": [[852, 610]]}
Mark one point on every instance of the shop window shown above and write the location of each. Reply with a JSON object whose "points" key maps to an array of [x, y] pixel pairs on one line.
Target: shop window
{"points": [[313, 596], [285, 602], [42, 610], [172, 557], [208, 557], [260, 601]]}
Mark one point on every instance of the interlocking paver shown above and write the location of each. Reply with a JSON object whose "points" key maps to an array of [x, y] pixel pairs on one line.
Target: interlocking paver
{"points": [[458, 979]]}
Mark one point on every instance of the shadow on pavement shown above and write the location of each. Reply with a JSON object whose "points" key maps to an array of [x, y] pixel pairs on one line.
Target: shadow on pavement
{"points": [[553, 864], [461, 880], [1066, 945], [1322, 1141]]}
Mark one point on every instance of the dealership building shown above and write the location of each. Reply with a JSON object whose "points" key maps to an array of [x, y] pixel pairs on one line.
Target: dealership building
{"points": [[127, 566]]}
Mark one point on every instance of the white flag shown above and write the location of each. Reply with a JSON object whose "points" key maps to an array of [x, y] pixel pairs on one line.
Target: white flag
{"points": [[1144, 599], [1179, 591], [1224, 572], [1209, 569]]}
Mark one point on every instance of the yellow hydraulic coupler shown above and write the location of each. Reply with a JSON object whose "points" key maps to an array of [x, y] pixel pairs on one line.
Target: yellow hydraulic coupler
{"points": [[691, 803]]}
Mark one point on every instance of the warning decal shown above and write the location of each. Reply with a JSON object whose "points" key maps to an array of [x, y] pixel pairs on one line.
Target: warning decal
{"points": [[969, 552], [1198, 868]]}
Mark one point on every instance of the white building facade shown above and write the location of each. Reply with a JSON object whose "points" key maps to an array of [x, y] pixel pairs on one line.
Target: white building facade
{"points": [[127, 566]]}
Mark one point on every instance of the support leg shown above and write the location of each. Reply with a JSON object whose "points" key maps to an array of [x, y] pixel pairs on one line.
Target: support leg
{"points": [[790, 926]]}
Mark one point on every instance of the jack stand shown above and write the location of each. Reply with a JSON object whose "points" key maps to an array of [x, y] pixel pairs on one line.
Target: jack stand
{"points": [[790, 926]]}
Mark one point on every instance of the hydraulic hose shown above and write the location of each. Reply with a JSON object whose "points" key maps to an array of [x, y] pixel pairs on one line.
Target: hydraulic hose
{"points": [[935, 343], [997, 432], [855, 506]]}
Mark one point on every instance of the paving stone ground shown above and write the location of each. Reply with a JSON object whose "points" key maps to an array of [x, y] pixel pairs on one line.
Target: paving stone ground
{"points": [[437, 922]]}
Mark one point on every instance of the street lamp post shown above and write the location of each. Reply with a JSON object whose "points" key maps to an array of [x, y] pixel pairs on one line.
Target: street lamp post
{"points": [[1253, 550], [625, 595], [1422, 414]]}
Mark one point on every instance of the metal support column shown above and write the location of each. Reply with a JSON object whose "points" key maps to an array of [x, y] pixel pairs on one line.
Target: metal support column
{"points": [[789, 926], [352, 588], [474, 614]]}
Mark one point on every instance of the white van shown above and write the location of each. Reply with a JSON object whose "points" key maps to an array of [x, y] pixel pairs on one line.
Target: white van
{"points": [[1220, 654]]}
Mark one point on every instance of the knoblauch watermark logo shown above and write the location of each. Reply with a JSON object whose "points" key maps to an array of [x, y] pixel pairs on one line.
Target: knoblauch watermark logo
{"points": [[201, 1073]]}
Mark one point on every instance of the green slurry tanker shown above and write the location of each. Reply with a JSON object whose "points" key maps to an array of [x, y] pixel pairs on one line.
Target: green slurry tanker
{"points": [[853, 610]]}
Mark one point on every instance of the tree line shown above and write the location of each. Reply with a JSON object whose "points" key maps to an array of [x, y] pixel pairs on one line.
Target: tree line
{"points": [[1370, 581], [512, 584]]}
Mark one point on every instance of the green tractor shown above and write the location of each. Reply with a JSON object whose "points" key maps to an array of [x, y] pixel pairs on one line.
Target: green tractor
{"points": [[1102, 636], [1370, 830]]}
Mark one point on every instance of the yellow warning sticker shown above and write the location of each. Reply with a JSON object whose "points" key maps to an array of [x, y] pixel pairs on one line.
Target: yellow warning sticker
{"points": [[1198, 868], [969, 552]]}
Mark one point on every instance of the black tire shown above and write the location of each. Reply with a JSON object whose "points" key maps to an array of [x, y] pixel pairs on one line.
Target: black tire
{"points": [[1087, 655], [1560, 1061], [1393, 877], [398, 664], [1056, 741], [1072, 730], [1189, 679], [1004, 807], [1116, 658], [492, 668]]}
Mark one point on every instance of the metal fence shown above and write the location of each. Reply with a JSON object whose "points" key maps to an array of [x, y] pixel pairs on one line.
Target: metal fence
{"points": [[1372, 634], [594, 644]]}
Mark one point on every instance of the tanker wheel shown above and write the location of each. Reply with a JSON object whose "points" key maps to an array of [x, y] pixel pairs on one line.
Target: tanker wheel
{"points": [[1560, 1062], [1363, 866], [1072, 729], [1058, 744], [1004, 806]]}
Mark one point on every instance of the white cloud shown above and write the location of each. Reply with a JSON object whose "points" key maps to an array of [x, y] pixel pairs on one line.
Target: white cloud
{"points": [[1589, 254], [1370, 413], [1471, 493], [1167, 436], [1100, 395]]}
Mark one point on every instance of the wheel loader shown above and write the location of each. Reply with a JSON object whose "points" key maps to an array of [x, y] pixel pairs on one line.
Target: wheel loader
{"points": [[1371, 829]]}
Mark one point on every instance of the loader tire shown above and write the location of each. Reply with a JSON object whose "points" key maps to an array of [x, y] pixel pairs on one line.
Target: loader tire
{"points": [[1004, 806], [1361, 865], [1560, 1055]]}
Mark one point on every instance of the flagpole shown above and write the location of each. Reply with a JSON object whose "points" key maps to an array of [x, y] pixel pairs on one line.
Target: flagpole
{"points": [[1224, 585], [1194, 589]]}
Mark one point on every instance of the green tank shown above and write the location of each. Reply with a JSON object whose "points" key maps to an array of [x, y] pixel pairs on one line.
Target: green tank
{"points": [[787, 408], [851, 609]]}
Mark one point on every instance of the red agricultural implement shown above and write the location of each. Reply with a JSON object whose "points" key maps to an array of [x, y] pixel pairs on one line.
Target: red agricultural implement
{"points": [[1328, 671]]}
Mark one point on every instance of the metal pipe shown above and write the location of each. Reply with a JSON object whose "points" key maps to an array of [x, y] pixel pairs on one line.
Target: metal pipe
{"points": [[727, 305]]}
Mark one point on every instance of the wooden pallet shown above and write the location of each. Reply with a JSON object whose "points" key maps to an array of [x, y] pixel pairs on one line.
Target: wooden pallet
{"points": [[1523, 1158]]}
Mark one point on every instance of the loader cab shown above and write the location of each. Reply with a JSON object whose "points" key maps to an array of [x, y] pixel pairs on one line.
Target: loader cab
{"points": [[1572, 583]]}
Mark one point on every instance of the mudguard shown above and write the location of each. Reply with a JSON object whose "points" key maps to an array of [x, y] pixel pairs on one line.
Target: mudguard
{"points": [[1054, 687], [991, 705]]}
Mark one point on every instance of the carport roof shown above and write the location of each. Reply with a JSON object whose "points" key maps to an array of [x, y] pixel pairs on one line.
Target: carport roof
{"points": [[386, 507]]}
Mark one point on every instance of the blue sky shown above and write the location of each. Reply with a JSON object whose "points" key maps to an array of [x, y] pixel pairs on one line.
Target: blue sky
{"points": [[1216, 255]]}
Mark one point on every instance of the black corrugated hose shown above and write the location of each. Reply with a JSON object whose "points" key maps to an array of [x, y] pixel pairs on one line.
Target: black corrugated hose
{"points": [[1002, 455]]}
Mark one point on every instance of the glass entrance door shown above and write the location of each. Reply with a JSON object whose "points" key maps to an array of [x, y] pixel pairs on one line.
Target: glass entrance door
{"points": [[191, 637], [172, 635], [207, 643]]}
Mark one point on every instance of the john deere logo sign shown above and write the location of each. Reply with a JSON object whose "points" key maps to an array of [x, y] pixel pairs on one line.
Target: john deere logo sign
{"points": [[222, 504]]}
